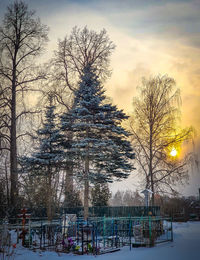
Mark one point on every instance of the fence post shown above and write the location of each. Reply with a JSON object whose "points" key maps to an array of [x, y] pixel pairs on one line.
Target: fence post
{"points": [[130, 231], [17, 231], [96, 238], [29, 227], [104, 242], [82, 239], [150, 234], [172, 238], [116, 233]]}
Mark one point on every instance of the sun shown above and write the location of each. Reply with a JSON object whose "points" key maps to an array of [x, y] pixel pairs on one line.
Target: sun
{"points": [[173, 152]]}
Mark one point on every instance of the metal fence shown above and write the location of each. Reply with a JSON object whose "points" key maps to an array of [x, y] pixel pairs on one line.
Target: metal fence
{"points": [[120, 211], [97, 235]]}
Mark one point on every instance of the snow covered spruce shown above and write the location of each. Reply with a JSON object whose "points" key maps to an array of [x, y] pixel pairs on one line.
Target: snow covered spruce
{"points": [[47, 158], [99, 143], [90, 139]]}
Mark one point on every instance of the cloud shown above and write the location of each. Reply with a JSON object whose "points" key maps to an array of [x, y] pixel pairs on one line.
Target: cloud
{"points": [[166, 19], [152, 37]]}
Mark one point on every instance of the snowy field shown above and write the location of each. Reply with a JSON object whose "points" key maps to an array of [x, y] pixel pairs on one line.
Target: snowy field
{"points": [[186, 246]]}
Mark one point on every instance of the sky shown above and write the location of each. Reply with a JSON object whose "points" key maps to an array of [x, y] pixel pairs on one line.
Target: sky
{"points": [[151, 36]]}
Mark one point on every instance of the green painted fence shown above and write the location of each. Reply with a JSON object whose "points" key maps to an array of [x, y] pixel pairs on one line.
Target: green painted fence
{"points": [[121, 211]]}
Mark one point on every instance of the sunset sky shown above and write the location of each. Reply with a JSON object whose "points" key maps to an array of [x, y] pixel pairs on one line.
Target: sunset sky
{"points": [[151, 37]]}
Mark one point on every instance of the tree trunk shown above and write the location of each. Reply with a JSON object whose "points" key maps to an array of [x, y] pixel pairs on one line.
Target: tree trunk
{"points": [[68, 188], [69, 178], [151, 166], [13, 146], [7, 184], [49, 198], [86, 181], [152, 189], [86, 188]]}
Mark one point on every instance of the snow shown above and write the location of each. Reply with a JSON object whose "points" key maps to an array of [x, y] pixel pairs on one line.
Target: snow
{"points": [[186, 246]]}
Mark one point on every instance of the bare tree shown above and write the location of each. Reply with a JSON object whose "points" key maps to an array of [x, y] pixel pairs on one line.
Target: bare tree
{"points": [[155, 131], [22, 38], [76, 51]]}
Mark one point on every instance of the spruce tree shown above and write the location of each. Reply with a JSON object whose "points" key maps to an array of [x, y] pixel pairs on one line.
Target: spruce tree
{"points": [[46, 160], [99, 143], [100, 195]]}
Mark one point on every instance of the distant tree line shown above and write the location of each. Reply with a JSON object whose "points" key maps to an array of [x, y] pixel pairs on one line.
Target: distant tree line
{"points": [[127, 198], [179, 208]]}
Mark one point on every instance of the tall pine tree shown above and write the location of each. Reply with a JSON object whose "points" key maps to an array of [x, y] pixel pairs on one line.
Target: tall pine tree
{"points": [[99, 144], [46, 161]]}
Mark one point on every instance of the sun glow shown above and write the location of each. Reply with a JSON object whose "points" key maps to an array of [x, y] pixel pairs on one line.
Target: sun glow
{"points": [[173, 152]]}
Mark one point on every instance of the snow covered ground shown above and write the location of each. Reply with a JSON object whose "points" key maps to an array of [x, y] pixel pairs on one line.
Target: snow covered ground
{"points": [[186, 246]]}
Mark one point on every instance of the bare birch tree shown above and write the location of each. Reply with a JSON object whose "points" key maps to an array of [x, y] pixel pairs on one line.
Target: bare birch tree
{"points": [[155, 132]]}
